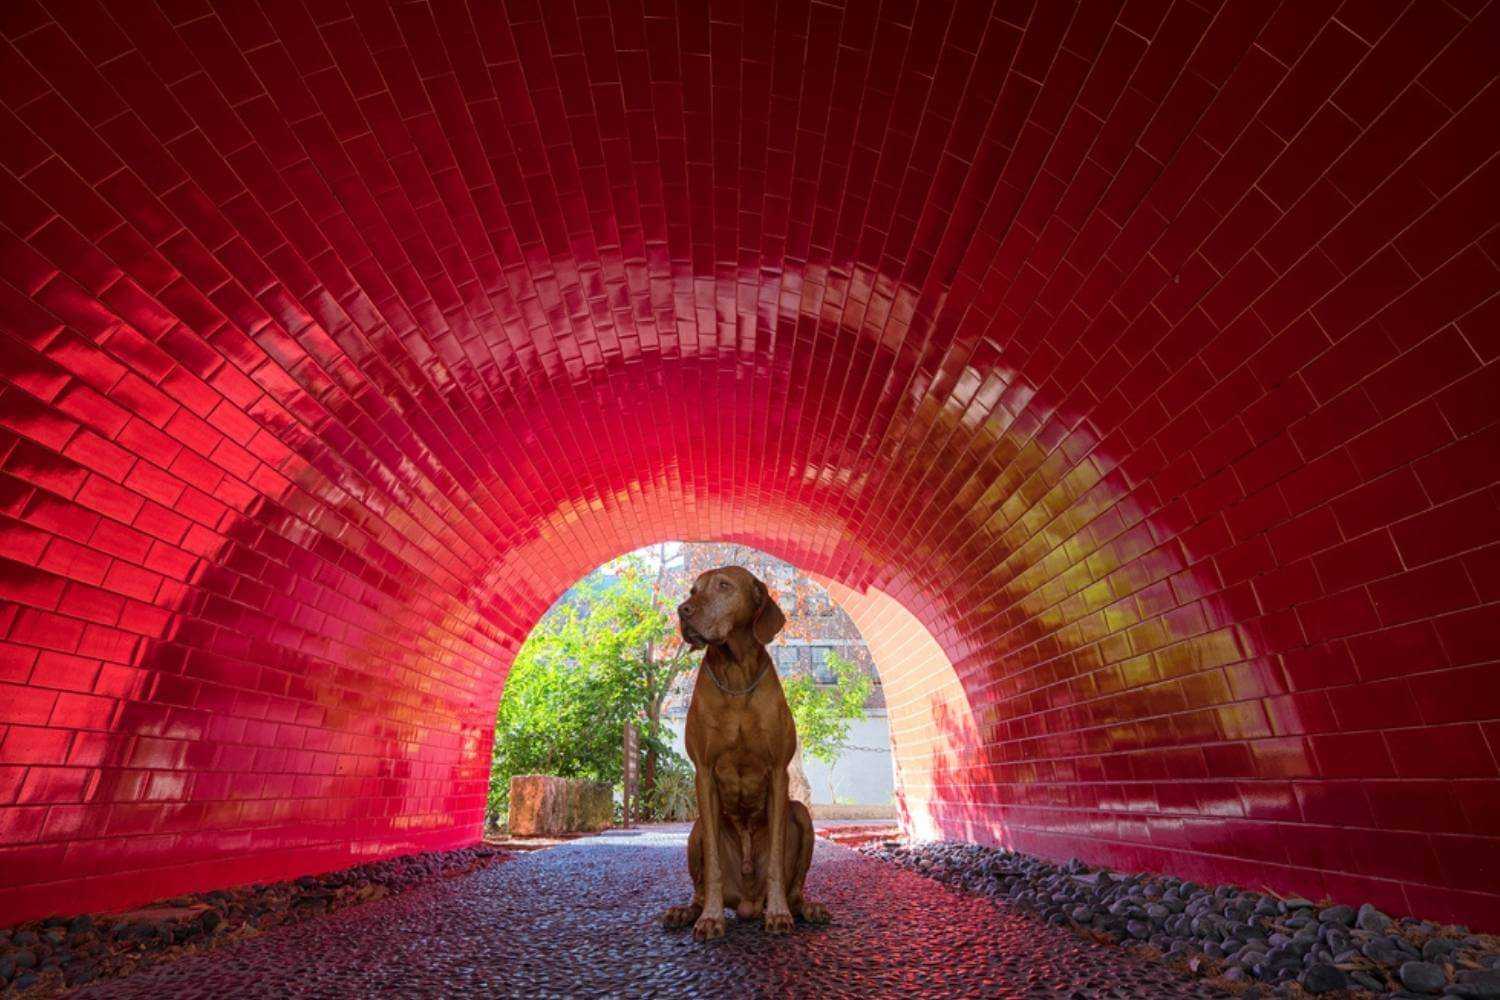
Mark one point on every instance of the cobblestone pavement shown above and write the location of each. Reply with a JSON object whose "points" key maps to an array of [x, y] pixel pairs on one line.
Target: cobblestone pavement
{"points": [[583, 919]]}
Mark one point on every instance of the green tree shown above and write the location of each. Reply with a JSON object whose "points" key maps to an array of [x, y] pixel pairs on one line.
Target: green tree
{"points": [[606, 654], [823, 712]]}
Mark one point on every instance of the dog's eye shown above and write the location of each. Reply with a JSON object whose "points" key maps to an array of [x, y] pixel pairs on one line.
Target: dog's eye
{"points": [[723, 584]]}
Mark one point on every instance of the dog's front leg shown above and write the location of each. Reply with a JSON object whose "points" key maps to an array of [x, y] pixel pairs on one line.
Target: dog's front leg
{"points": [[711, 922], [778, 914]]}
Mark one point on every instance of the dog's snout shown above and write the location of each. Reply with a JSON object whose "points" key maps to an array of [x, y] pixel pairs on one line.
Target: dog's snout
{"points": [[684, 609]]}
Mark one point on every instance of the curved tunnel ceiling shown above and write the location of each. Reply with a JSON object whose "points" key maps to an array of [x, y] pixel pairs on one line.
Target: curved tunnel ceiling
{"points": [[1144, 352]]}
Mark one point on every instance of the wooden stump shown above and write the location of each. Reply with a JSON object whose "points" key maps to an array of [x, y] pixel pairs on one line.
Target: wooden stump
{"points": [[542, 805]]}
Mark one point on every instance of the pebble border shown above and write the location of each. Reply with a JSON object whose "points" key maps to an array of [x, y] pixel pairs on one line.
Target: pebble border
{"points": [[43, 958], [1266, 944]]}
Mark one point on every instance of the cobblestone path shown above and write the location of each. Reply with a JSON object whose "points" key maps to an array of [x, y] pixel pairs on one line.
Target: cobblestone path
{"points": [[583, 920]]}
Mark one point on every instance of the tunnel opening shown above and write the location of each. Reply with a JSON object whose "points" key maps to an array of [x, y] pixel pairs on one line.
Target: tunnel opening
{"points": [[610, 643]]}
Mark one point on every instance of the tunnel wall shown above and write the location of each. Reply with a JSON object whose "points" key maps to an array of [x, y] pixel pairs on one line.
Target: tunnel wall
{"points": [[931, 727], [1143, 352]]}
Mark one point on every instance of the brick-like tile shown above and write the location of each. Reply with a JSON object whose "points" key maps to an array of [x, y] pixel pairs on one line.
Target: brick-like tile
{"points": [[1129, 370]]}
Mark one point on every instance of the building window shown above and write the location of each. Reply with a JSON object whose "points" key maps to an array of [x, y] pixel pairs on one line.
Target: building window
{"points": [[822, 671]]}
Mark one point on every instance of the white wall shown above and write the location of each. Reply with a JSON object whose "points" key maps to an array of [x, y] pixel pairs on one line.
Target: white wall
{"points": [[861, 777]]}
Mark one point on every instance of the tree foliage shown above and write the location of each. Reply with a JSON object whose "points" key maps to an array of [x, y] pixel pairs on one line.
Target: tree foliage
{"points": [[606, 654], [823, 713]]}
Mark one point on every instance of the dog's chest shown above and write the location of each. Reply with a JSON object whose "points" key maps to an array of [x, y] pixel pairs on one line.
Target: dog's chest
{"points": [[736, 728]]}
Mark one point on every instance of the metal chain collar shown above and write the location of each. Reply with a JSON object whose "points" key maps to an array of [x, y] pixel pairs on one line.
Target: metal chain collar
{"points": [[718, 684]]}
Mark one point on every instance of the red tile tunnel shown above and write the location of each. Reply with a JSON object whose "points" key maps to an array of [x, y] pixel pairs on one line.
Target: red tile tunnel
{"points": [[1128, 369]]}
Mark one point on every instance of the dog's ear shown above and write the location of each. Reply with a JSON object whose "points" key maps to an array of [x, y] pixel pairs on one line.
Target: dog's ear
{"points": [[768, 619]]}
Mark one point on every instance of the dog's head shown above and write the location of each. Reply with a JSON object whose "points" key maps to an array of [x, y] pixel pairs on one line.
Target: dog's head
{"points": [[729, 603]]}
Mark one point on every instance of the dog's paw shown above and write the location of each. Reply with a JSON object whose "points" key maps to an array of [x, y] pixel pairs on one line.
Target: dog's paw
{"points": [[681, 916], [815, 913], [778, 922], [709, 926]]}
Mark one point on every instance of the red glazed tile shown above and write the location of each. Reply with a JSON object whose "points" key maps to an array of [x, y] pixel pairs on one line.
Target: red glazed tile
{"points": [[1458, 751], [1156, 374]]}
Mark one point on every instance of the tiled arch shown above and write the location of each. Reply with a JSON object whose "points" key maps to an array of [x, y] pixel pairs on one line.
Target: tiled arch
{"points": [[1143, 353]]}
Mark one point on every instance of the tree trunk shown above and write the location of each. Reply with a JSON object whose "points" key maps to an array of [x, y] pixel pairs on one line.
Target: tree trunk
{"points": [[798, 787], [648, 772], [648, 775]]}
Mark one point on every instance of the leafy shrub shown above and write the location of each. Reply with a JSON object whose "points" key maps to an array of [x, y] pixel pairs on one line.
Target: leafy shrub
{"points": [[675, 798]]}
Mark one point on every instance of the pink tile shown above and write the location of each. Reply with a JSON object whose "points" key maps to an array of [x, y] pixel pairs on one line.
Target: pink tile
{"points": [[1156, 381]]}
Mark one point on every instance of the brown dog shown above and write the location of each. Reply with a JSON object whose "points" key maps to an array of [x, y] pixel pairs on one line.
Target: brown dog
{"points": [[751, 845]]}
